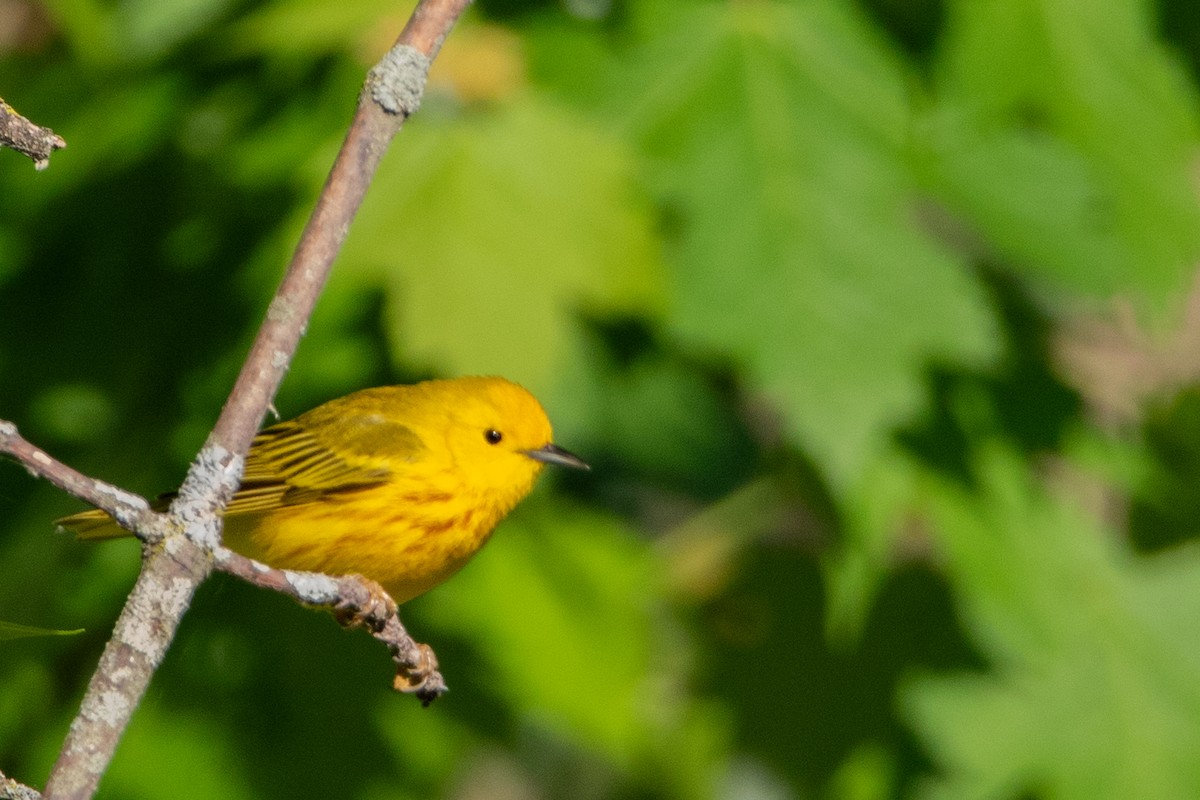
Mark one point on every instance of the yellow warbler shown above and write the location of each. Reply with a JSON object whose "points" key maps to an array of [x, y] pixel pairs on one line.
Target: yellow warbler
{"points": [[400, 484]]}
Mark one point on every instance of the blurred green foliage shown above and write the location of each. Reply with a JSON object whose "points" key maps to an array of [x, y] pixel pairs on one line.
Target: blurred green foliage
{"points": [[874, 318]]}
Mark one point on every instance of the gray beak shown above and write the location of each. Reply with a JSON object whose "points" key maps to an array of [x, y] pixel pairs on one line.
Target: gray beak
{"points": [[553, 454]]}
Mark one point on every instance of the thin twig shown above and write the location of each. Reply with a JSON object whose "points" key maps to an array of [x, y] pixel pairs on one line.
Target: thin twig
{"points": [[131, 511], [173, 568], [27, 138], [355, 601], [11, 790]]}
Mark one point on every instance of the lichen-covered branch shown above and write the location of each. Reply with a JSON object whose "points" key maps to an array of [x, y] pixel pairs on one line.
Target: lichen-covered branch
{"points": [[176, 565], [11, 790], [171, 572], [27, 138], [354, 601], [128, 509]]}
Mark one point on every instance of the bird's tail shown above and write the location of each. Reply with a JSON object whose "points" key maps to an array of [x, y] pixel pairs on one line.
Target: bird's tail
{"points": [[91, 526]]}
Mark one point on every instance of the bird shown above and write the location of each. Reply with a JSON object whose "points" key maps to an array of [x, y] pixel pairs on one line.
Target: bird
{"points": [[400, 484]]}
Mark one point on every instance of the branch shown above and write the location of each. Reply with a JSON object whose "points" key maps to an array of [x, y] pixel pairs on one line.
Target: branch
{"points": [[11, 790], [129, 510], [170, 573], [173, 567], [392, 92], [26, 137], [354, 601]]}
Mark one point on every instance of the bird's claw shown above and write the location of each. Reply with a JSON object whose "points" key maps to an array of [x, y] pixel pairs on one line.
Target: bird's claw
{"points": [[423, 678], [368, 606], [364, 603]]}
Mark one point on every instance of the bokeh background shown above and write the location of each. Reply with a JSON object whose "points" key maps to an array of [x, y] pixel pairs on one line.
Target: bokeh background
{"points": [[876, 319]]}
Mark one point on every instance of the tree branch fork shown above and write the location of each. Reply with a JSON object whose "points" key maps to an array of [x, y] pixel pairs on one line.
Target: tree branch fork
{"points": [[182, 547], [354, 600]]}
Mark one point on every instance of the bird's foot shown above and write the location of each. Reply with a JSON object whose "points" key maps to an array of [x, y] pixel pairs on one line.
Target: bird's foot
{"points": [[364, 603], [422, 678]]}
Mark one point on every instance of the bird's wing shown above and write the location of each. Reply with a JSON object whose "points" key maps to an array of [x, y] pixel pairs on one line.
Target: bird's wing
{"points": [[294, 462]]}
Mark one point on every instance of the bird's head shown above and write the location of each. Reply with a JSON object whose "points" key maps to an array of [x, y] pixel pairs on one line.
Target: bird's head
{"points": [[499, 436]]}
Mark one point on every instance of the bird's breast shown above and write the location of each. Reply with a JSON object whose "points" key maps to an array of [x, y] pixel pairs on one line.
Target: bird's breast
{"points": [[407, 538]]}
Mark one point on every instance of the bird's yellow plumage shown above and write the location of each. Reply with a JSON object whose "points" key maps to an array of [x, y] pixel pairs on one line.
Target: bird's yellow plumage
{"points": [[400, 484]]}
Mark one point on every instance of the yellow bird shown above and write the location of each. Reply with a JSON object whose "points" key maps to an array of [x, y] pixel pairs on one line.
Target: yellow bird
{"points": [[400, 484]]}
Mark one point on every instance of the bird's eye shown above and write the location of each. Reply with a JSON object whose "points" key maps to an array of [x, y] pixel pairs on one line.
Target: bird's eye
{"points": [[493, 436]]}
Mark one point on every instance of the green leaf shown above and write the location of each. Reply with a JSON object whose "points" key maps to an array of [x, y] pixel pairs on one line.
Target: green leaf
{"points": [[151, 29], [557, 606], [488, 232], [1067, 135], [885, 494], [181, 752], [309, 28], [780, 134], [561, 608], [11, 630], [1095, 651], [654, 416]]}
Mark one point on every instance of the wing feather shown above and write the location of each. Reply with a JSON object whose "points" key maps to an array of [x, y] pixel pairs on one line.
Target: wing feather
{"points": [[289, 464], [346, 445]]}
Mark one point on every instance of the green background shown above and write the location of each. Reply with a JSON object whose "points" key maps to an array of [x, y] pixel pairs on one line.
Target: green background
{"points": [[876, 320]]}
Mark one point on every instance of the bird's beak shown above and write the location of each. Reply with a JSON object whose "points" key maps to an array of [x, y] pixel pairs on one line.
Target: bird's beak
{"points": [[553, 454]]}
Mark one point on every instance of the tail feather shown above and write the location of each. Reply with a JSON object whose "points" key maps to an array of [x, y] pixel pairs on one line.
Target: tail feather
{"points": [[91, 526]]}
